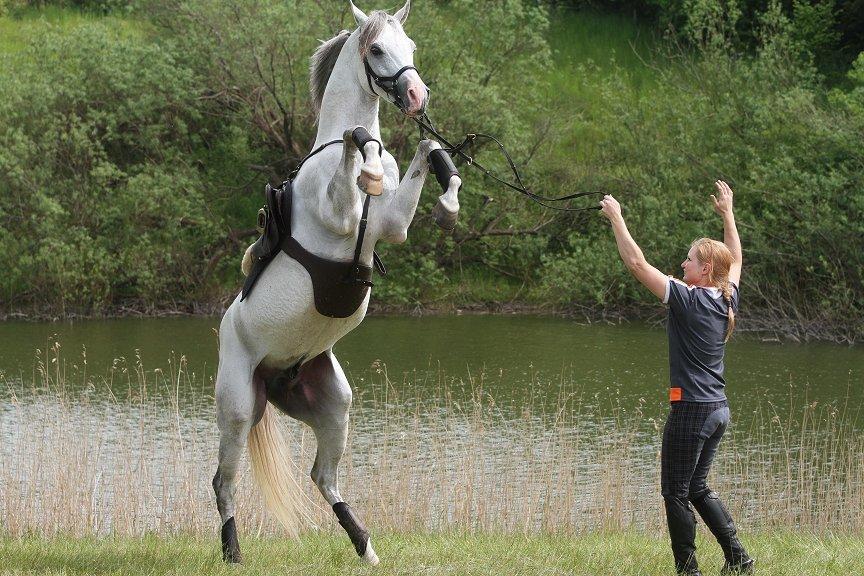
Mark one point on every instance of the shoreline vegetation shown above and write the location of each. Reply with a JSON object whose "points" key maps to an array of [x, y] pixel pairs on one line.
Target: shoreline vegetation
{"points": [[131, 452], [130, 189]]}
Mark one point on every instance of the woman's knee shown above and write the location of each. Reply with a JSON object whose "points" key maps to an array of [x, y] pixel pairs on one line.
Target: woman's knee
{"points": [[698, 491]]}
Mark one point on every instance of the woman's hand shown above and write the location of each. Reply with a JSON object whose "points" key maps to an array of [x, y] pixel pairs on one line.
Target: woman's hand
{"points": [[610, 207], [723, 200]]}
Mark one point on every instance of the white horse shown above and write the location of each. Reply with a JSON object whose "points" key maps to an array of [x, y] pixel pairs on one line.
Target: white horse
{"points": [[275, 345]]}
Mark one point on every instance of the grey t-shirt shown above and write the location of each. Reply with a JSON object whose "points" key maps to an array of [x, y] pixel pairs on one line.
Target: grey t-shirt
{"points": [[696, 324]]}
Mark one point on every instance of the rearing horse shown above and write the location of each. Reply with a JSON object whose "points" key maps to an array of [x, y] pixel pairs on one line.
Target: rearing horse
{"points": [[276, 341]]}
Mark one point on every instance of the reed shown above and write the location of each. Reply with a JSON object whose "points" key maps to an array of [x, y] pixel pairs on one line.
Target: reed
{"points": [[132, 451]]}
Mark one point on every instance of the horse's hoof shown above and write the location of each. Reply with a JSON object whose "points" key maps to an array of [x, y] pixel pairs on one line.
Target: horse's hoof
{"points": [[369, 556], [371, 181], [230, 545], [444, 218]]}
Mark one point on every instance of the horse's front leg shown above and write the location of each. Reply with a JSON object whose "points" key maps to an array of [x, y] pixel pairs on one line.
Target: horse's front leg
{"points": [[341, 210], [404, 198], [447, 209]]}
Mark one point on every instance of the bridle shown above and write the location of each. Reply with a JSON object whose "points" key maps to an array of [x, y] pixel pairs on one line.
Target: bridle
{"points": [[387, 83]]}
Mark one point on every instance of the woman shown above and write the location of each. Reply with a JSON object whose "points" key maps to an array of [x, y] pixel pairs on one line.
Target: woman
{"points": [[700, 320]]}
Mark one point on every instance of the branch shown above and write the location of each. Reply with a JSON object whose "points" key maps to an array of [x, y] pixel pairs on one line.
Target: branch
{"points": [[490, 231]]}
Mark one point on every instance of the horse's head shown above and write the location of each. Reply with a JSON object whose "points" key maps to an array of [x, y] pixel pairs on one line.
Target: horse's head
{"points": [[387, 60]]}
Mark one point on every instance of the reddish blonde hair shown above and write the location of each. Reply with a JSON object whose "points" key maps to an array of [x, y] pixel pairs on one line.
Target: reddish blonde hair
{"points": [[719, 259]]}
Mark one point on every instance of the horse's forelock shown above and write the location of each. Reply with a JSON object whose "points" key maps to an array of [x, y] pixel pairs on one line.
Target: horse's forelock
{"points": [[372, 28]]}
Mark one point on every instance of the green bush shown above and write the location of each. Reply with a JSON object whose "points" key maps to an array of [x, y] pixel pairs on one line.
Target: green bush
{"points": [[98, 194]]}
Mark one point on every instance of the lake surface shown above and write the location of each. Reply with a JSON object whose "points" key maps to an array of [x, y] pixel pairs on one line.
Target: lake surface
{"points": [[521, 355]]}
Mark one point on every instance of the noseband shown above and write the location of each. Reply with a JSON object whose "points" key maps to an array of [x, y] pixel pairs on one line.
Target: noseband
{"points": [[386, 83]]}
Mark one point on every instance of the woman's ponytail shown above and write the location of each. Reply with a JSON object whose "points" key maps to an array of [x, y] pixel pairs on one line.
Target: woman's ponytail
{"points": [[727, 295]]}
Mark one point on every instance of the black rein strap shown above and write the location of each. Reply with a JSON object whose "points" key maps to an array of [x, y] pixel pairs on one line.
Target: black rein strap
{"points": [[426, 126], [308, 156]]}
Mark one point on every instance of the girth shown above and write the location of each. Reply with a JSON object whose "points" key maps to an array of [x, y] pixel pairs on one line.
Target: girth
{"points": [[339, 287]]}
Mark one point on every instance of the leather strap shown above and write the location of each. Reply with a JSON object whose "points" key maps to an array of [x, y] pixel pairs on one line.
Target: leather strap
{"points": [[354, 276]]}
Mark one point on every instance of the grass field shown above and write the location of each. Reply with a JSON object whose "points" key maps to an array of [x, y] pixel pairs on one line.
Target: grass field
{"points": [[616, 553], [601, 41], [25, 25]]}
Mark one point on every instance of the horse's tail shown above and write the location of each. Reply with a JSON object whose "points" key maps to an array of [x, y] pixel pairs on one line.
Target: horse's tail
{"points": [[246, 265], [272, 470]]}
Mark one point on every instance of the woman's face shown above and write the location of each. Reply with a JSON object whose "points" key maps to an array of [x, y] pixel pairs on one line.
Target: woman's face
{"points": [[695, 273]]}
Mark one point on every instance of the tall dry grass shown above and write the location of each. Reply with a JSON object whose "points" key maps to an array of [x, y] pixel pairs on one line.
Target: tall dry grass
{"points": [[133, 451]]}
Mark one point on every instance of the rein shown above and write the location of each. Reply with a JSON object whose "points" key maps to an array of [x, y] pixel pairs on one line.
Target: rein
{"points": [[426, 126], [388, 85], [308, 156]]}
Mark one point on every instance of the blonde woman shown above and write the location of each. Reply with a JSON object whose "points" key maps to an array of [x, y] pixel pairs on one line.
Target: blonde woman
{"points": [[701, 318]]}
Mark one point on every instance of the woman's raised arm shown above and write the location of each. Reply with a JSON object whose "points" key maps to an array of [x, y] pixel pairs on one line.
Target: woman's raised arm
{"points": [[723, 207]]}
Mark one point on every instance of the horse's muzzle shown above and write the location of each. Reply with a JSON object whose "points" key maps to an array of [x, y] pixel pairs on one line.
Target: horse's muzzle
{"points": [[413, 93]]}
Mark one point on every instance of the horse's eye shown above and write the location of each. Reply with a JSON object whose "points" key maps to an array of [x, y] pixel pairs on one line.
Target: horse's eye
{"points": [[376, 51]]}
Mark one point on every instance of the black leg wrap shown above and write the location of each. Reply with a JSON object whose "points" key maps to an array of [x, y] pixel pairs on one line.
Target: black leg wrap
{"points": [[362, 137], [682, 533], [230, 544], [353, 526], [719, 521], [443, 167]]}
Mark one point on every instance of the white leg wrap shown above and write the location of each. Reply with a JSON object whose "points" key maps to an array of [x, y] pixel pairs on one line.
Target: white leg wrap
{"points": [[369, 556]]}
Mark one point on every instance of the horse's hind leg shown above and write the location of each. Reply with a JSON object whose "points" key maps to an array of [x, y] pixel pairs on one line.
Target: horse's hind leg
{"points": [[321, 398], [239, 400]]}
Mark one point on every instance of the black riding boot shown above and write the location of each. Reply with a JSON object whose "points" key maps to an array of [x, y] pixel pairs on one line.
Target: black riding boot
{"points": [[719, 521], [682, 532]]}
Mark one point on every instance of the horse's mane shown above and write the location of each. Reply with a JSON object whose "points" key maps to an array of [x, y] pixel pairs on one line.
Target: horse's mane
{"points": [[324, 58]]}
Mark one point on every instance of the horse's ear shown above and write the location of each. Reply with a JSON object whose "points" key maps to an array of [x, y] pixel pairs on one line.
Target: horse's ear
{"points": [[402, 14], [359, 16]]}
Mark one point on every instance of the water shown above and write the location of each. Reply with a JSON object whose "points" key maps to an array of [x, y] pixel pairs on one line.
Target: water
{"points": [[523, 355]]}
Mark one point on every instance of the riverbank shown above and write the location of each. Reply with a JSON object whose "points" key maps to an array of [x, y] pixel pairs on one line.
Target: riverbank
{"points": [[765, 327], [322, 553]]}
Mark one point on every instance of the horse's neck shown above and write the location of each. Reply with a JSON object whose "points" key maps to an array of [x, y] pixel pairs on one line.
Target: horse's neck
{"points": [[346, 104]]}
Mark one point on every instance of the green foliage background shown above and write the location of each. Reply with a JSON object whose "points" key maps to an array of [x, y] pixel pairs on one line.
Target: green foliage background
{"points": [[135, 138]]}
